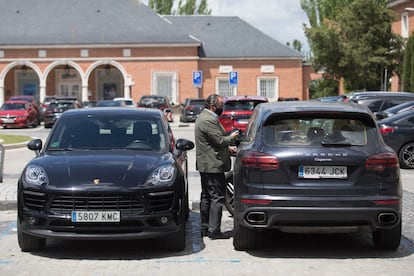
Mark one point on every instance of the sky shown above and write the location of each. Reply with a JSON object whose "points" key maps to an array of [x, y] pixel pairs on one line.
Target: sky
{"points": [[280, 19]]}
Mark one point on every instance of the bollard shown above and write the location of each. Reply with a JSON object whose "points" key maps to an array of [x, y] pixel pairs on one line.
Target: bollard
{"points": [[2, 153]]}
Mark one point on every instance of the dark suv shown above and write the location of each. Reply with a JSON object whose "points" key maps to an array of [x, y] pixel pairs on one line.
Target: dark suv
{"points": [[191, 108], [316, 166], [379, 101], [237, 111]]}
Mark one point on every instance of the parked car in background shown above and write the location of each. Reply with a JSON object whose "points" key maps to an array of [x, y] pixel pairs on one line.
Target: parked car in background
{"points": [[379, 101], [400, 108], [46, 102], [109, 103], [316, 166], [90, 103], [160, 102], [191, 108], [32, 100], [127, 102], [18, 113], [105, 174], [56, 108], [398, 133], [339, 98], [237, 111]]}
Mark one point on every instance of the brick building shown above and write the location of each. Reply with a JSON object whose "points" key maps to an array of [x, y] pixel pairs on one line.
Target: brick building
{"points": [[87, 48]]}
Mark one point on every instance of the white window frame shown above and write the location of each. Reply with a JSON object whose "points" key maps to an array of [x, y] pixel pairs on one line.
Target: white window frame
{"points": [[266, 94], [173, 94], [232, 90], [404, 25]]}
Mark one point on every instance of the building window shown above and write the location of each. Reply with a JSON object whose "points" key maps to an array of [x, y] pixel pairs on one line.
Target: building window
{"points": [[42, 53], [268, 87], [84, 53], [127, 52], [223, 87], [404, 25], [165, 84], [1, 54]]}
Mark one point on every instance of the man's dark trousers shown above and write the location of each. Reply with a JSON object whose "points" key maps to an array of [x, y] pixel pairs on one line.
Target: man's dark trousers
{"points": [[213, 188]]}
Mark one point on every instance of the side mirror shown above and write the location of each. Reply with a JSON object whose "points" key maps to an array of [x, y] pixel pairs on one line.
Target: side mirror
{"points": [[184, 145], [35, 145]]}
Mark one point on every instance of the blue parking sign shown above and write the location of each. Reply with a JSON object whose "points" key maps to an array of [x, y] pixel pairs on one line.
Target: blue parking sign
{"points": [[233, 78], [197, 78]]}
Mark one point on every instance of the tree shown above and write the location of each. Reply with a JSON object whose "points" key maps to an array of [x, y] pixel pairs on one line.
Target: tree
{"points": [[353, 40], [407, 78], [161, 6], [184, 7]]}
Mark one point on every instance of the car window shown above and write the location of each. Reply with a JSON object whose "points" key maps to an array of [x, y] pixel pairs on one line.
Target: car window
{"points": [[108, 133], [240, 105], [197, 102], [315, 131]]}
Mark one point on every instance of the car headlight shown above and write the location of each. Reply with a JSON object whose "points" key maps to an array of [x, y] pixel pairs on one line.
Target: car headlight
{"points": [[35, 175], [164, 175]]}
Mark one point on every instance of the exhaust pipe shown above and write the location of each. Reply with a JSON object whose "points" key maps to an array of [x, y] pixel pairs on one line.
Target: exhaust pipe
{"points": [[256, 217], [387, 218]]}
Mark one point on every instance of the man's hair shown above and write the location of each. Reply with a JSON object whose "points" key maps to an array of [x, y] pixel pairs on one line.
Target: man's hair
{"points": [[211, 100]]}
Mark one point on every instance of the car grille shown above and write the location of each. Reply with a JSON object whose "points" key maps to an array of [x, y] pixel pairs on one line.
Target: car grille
{"points": [[34, 200], [66, 203], [127, 203]]}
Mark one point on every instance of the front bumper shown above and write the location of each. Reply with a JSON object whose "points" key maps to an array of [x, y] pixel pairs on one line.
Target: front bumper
{"points": [[142, 215]]}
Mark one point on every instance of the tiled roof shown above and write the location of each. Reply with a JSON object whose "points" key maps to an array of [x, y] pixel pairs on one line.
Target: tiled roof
{"points": [[228, 36], [117, 22]]}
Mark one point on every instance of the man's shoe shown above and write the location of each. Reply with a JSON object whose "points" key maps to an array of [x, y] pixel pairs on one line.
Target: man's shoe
{"points": [[218, 235], [204, 233]]}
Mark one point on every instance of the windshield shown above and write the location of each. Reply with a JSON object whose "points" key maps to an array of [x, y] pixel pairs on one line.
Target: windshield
{"points": [[108, 133]]}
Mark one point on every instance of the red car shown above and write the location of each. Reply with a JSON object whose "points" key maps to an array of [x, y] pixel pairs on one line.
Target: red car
{"points": [[18, 114], [31, 99], [237, 111], [160, 102]]}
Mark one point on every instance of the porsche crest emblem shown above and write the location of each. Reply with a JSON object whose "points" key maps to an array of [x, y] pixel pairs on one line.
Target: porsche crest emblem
{"points": [[96, 181]]}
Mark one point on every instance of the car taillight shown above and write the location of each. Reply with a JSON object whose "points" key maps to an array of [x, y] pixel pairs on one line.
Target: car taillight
{"points": [[260, 161], [382, 161], [386, 130]]}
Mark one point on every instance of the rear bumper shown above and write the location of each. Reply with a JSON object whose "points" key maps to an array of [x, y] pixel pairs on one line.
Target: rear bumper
{"points": [[330, 217]]}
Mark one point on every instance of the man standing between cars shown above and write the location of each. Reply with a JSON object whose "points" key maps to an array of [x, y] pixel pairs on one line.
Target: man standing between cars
{"points": [[213, 149]]}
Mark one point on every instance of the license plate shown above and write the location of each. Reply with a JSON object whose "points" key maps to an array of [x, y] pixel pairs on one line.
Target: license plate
{"points": [[96, 216], [8, 121], [322, 172], [243, 121]]}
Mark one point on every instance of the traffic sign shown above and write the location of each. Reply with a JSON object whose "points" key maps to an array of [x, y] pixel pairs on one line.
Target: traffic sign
{"points": [[233, 78], [198, 78]]}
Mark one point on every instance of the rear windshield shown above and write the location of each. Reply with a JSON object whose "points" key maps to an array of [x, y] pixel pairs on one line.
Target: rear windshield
{"points": [[198, 102], [241, 105], [316, 131]]}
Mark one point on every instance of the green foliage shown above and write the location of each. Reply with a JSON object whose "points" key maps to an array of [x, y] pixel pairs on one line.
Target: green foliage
{"points": [[184, 7], [323, 88], [408, 66], [353, 40], [161, 6]]}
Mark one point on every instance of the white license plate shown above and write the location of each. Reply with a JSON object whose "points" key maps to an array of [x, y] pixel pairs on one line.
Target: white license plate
{"points": [[243, 121], [322, 172], [8, 121], [96, 216]]}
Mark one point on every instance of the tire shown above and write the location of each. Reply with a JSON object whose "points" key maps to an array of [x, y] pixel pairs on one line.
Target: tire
{"points": [[229, 197], [29, 243], [388, 239], [244, 238], [176, 242], [406, 156]]}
